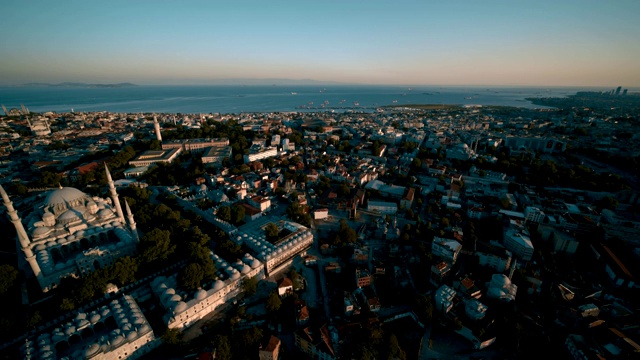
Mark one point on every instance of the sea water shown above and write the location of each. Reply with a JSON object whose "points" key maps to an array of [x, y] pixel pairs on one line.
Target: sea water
{"points": [[276, 98]]}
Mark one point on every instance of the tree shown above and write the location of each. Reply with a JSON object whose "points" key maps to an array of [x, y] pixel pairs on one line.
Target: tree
{"points": [[224, 213], [416, 163], [245, 342], [67, 305], [190, 277], [271, 232], [344, 190], [123, 270], [423, 307], [346, 234], [250, 286], [410, 214], [228, 249], [34, 319], [8, 276], [394, 350], [237, 214], [172, 336], [273, 302], [295, 279], [156, 246], [49, 179], [222, 347], [297, 213]]}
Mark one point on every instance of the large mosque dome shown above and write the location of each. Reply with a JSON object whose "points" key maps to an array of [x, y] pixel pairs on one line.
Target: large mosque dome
{"points": [[64, 198], [64, 195]]}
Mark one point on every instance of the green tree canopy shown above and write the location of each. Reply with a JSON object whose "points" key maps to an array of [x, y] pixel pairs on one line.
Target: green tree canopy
{"points": [[237, 214], [8, 277], [224, 213], [250, 286], [123, 270], [222, 347], [190, 277], [273, 302], [156, 246], [271, 232]]}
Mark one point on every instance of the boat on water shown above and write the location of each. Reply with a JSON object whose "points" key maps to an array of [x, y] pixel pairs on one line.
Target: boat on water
{"points": [[394, 101], [294, 93], [356, 103]]}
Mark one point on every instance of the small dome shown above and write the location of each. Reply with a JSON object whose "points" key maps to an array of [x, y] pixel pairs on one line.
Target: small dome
{"points": [[95, 318], [41, 231], [169, 291], [181, 307], [201, 294], [105, 213], [92, 350], [144, 329], [70, 330], [83, 323], [219, 284], [245, 269], [255, 264], [132, 336], [68, 215], [117, 340], [235, 276]]}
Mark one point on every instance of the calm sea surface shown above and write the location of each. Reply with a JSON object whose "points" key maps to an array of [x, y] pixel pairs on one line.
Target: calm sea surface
{"points": [[236, 99]]}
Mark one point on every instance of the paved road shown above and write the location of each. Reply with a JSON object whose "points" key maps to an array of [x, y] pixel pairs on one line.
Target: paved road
{"points": [[323, 280]]}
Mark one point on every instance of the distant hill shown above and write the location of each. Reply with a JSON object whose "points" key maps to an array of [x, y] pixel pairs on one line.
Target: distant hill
{"points": [[79, 84], [267, 82]]}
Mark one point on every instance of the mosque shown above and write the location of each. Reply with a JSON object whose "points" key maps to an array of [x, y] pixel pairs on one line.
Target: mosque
{"points": [[71, 233]]}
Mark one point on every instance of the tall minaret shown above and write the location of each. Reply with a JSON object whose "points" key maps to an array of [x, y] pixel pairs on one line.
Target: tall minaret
{"points": [[156, 126], [132, 222], [25, 243], [114, 194]]}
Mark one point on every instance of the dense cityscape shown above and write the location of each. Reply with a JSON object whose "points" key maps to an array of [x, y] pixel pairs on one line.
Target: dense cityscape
{"points": [[404, 232]]}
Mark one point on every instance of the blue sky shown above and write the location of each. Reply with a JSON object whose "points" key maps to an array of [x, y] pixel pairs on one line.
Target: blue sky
{"points": [[542, 43]]}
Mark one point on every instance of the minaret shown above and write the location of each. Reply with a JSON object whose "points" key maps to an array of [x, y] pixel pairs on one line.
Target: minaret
{"points": [[156, 125], [25, 244], [114, 194], [132, 222]]}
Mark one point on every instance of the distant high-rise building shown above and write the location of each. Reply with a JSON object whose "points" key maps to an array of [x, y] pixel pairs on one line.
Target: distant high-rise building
{"points": [[624, 92], [618, 90]]}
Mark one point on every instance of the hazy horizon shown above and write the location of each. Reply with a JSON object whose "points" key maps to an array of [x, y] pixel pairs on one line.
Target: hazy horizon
{"points": [[407, 43], [307, 83]]}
